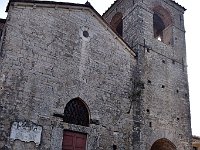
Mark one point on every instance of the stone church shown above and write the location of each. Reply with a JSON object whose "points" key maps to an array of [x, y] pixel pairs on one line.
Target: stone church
{"points": [[71, 79]]}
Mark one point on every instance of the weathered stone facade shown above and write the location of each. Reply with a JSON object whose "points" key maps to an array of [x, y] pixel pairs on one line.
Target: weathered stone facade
{"points": [[164, 103], [2, 22], [54, 54]]}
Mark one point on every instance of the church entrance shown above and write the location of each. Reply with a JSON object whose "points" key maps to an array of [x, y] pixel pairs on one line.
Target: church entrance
{"points": [[74, 141], [163, 144]]}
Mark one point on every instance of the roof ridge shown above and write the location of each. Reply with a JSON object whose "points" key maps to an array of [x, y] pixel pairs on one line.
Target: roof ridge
{"points": [[48, 2]]}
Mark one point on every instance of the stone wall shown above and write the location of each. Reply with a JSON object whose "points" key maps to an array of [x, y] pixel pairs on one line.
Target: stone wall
{"points": [[47, 61], [2, 23], [165, 108], [55, 52]]}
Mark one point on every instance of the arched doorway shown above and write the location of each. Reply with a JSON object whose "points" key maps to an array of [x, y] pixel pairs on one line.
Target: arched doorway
{"points": [[163, 144], [76, 112]]}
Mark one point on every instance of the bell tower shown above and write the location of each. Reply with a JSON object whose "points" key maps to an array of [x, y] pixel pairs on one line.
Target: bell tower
{"points": [[160, 102]]}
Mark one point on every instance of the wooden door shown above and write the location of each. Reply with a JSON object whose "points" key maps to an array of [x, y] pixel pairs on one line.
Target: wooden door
{"points": [[74, 141]]}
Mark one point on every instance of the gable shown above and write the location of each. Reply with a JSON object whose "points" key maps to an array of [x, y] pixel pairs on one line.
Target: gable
{"points": [[61, 6], [74, 39]]}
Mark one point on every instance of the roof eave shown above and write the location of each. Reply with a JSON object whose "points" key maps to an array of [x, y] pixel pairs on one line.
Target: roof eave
{"points": [[2, 20], [47, 2]]}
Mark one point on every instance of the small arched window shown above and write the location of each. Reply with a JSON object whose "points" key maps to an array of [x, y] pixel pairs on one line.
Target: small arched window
{"points": [[76, 112], [162, 25], [117, 23]]}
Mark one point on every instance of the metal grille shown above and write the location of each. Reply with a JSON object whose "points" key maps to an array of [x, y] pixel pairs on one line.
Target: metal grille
{"points": [[76, 113]]}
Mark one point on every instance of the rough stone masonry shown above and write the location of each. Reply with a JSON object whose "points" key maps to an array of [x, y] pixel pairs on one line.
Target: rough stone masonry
{"points": [[72, 79]]}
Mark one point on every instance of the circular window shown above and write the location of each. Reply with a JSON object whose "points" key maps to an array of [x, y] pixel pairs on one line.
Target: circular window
{"points": [[85, 34]]}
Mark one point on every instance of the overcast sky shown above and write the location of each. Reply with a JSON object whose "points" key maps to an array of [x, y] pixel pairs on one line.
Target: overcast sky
{"points": [[192, 25]]}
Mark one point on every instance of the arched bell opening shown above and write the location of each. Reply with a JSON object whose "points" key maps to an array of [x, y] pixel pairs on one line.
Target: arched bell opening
{"points": [[117, 23], [162, 25]]}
